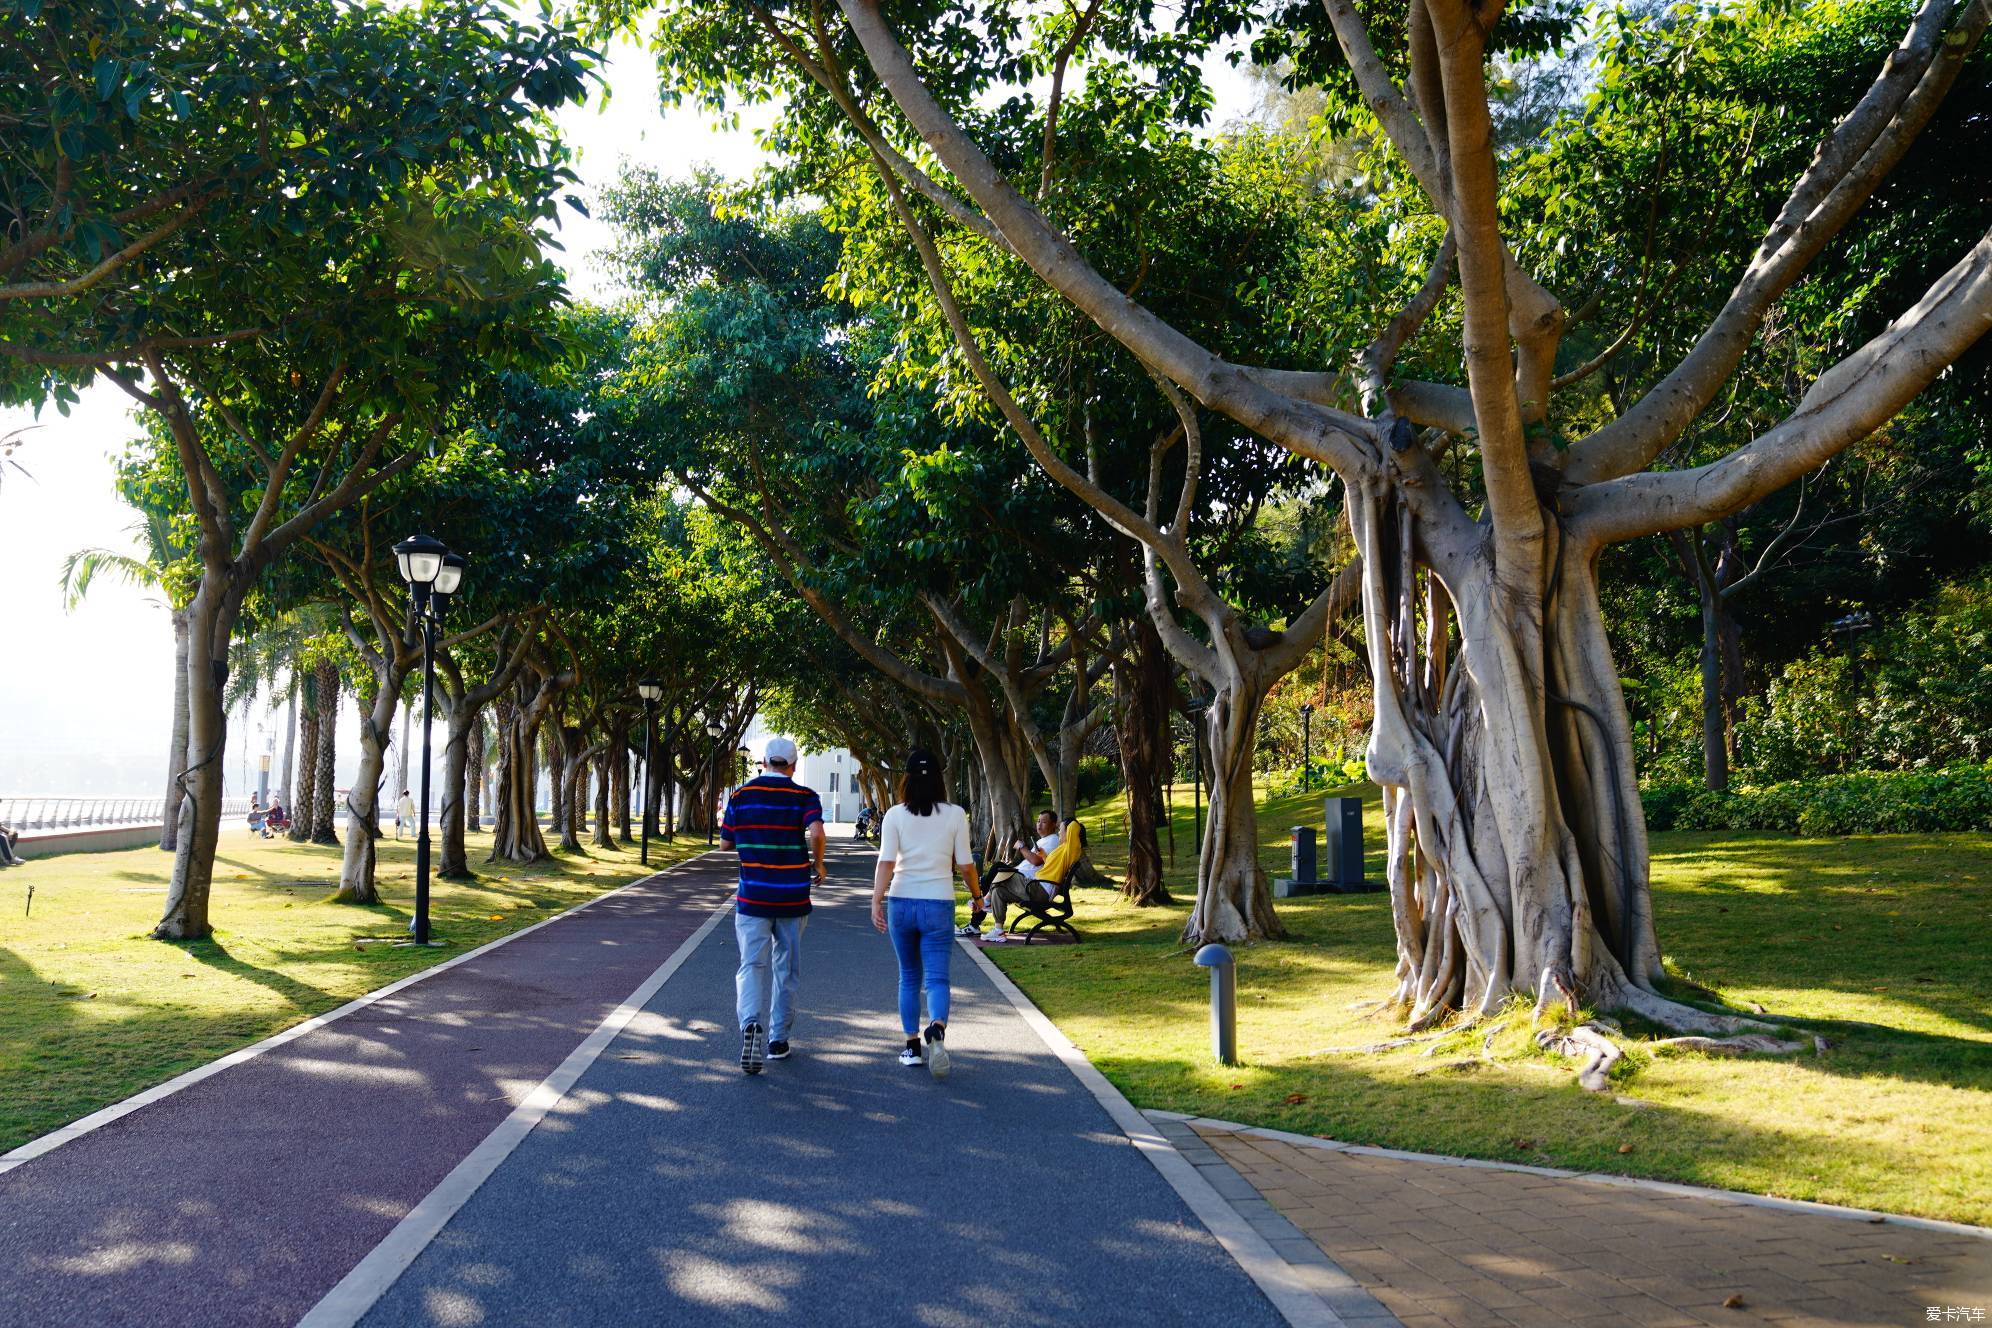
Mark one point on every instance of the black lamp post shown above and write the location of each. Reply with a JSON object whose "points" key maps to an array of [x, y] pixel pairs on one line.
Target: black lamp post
{"points": [[1307, 747], [1197, 707], [713, 729], [649, 689], [433, 574]]}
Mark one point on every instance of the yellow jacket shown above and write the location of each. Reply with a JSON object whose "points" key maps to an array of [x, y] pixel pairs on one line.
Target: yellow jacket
{"points": [[1063, 858]]}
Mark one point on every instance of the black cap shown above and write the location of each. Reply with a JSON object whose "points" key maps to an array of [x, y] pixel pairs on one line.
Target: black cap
{"points": [[920, 761]]}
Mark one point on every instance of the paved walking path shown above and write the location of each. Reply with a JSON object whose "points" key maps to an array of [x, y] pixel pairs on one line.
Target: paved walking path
{"points": [[241, 1199], [836, 1188]]}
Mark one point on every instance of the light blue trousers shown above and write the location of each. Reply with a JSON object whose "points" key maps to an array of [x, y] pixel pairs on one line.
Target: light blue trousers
{"points": [[770, 967]]}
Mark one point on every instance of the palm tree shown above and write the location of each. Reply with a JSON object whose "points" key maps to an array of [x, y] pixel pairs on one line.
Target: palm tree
{"points": [[83, 568]]}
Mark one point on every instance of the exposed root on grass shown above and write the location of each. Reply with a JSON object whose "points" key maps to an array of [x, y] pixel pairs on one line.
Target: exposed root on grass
{"points": [[1744, 1044], [1600, 1053]]}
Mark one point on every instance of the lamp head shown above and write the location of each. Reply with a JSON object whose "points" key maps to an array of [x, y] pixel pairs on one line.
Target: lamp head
{"points": [[451, 576], [714, 728], [421, 560], [649, 688]]}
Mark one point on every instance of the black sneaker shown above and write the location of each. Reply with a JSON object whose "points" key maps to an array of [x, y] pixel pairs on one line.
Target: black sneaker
{"points": [[910, 1053], [753, 1048], [938, 1061], [778, 1050]]}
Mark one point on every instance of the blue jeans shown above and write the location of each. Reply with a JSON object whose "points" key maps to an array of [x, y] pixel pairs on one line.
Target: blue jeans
{"points": [[922, 932], [770, 957]]}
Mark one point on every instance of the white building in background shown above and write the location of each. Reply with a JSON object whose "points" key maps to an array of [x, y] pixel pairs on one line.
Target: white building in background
{"points": [[833, 774]]}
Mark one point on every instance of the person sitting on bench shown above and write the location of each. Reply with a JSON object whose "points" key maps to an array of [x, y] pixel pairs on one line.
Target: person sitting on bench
{"points": [[1035, 891], [1016, 876]]}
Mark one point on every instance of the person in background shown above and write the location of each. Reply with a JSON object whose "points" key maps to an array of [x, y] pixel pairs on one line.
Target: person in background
{"points": [[275, 821], [922, 843], [8, 838], [404, 813], [256, 813], [776, 825], [1017, 883]]}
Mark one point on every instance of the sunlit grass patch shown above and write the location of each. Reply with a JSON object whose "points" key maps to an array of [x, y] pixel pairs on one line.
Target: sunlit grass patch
{"points": [[1877, 940]]}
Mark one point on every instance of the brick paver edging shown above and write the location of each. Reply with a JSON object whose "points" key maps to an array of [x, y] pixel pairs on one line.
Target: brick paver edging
{"points": [[103, 1116], [1588, 1177]]}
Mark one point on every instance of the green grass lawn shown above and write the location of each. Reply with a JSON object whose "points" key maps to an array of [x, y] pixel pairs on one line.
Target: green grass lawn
{"points": [[92, 1010], [1883, 930]]}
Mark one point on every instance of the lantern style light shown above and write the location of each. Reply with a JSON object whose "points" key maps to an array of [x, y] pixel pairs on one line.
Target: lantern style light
{"points": [[714, 728], [650, 689], [421, 558], [450, 575]]}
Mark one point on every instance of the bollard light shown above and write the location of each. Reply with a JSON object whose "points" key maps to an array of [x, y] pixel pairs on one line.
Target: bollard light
{"points": [[1223, 1002]]}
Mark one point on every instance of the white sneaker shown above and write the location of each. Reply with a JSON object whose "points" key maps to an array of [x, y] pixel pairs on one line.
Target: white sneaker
{"points": [[996, 937]]}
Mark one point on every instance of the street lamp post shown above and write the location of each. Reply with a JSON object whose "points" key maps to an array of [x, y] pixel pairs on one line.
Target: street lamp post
{"points": [[433, 574], [713, 729], [1307, 747], [649, 689]]}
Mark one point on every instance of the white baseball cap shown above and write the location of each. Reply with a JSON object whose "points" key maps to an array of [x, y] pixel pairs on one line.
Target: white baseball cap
{"points": [[779, 751]]}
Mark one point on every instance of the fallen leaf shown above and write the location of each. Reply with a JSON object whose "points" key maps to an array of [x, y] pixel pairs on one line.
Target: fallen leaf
{"points": [[497, 917], [1734, 1301], [1293, 1099], [1625, 1148], [1876, 1220], [1236, 1087], [1896, 1258]]}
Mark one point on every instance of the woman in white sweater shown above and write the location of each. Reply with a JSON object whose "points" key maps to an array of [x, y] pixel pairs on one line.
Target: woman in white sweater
{"points": [[922, 843]]}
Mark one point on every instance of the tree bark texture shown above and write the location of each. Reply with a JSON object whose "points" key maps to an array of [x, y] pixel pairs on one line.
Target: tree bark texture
{"points": [[324, 826], [176, 746], [1145, 692], [305, 805]]}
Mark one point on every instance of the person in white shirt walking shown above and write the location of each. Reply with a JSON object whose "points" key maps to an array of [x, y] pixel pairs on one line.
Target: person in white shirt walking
{"points": [[922, 844], [404, 815]]}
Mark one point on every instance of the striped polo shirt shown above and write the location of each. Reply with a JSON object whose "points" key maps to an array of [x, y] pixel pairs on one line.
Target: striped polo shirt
{"points": [[767, 819]]}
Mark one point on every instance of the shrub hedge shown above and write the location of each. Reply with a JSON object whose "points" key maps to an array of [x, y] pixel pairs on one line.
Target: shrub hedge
{"points": [[1869, 802]]}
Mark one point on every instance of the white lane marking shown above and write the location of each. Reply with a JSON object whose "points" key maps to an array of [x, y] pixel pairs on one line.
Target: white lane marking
{"points": [[1260, 1261], [348, 1302], [96, 1120]]}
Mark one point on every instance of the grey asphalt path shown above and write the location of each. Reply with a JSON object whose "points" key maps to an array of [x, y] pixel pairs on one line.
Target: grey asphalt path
{"points": [[243, 1198], [837, 1188]]}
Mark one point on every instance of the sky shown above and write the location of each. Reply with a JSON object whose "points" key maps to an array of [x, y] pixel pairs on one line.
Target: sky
{"points": [[86, 696]]}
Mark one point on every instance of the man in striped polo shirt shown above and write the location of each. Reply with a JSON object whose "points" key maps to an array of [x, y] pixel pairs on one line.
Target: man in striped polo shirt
{"points": [[777, 826]]}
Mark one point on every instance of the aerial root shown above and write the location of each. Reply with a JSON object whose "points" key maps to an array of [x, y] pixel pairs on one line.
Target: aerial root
{"points": [[1600, 1053], [1743, 1044]]}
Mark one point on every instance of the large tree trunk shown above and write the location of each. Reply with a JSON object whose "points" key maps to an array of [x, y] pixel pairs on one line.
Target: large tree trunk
{"points": [[324, 827], [210, 622], [1234, 901], [356, 869], [570, 785], [176, 748], [290, 749], [515, 829], [619, 784], [607, 761], [463, 759], [1145, 694], [559, 802], [1516, 846], [473, 810], [305, 805]]}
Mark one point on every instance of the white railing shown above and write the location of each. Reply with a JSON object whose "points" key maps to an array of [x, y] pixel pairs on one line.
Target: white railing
{"points": [[45, 815]]}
